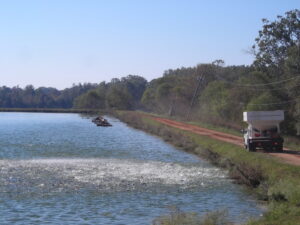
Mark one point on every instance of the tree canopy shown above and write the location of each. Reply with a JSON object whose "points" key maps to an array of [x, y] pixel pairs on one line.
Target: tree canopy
{"points": [[42, 97]]}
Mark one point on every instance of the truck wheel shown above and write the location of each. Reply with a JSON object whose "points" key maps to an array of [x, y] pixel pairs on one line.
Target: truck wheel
{"points": [[247, 147], [268, 149], [279, 148], [251, 147]]}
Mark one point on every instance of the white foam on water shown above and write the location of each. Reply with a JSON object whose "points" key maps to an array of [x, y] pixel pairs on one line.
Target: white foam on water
{"points": [[109, 173]]}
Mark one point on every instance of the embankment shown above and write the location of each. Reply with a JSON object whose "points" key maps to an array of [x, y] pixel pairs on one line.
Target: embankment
{"points": [[272, 180]]}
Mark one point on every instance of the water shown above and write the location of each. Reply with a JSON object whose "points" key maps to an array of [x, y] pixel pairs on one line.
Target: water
{"points": [[62, 169]]}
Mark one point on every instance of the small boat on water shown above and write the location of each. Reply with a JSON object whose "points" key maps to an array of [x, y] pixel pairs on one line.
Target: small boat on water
{"points": [[100, 121]]}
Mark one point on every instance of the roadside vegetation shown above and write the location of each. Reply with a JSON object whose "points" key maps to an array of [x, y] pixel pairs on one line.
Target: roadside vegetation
{"points": [[273, 181]]}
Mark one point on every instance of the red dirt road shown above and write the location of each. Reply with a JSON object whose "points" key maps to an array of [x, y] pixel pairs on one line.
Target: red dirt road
{"points": [[291, 157]]}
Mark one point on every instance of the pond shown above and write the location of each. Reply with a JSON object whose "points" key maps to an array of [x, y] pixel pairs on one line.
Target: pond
{"points": [[62, 169]]}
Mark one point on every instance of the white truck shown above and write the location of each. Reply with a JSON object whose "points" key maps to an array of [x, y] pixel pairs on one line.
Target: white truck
{"points": [[263, 130]]}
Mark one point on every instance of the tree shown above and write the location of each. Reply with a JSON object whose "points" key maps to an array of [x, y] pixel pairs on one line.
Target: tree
{"points": [[136, 86], [274, 41], [118, 97], [90, 100]]}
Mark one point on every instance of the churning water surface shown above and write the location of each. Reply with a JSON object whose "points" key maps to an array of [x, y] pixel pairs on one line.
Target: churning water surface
{"points": [[62, 169]]}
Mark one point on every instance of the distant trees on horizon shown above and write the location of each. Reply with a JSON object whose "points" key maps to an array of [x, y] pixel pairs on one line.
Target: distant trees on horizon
{"points": [[42, 97]]}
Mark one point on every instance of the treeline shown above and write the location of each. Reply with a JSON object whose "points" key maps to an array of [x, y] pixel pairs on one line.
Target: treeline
{"points": [[43, 97], [209, 92], [203, 94], [124, 93]]}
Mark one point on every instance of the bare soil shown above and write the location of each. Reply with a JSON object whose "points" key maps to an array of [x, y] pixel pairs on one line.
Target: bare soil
{"points": [[291, 157]]}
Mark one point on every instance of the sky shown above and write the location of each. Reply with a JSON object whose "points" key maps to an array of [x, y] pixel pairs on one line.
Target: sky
{"points": [[56, 43]]}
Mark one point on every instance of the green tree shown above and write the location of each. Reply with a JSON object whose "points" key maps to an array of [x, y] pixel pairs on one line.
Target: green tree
{"points": [[265, 101], [274, 41], [90, 100], [118, 97]]}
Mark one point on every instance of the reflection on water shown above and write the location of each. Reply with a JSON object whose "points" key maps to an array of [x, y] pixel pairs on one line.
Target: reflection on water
{"points": [[102, 175], [60, 168]]}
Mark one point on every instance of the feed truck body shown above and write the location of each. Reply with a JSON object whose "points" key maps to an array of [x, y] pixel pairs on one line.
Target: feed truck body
{"points": [[263, 130]]}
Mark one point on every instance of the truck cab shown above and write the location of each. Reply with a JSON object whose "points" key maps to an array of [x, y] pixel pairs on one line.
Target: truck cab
{"points": [[263, 130]]}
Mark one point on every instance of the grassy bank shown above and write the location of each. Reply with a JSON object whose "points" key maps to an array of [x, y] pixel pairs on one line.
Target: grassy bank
{"points": [[272, 180]]}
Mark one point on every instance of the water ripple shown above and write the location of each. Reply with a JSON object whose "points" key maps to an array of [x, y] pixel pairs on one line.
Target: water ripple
{"points": [[102, 175]]}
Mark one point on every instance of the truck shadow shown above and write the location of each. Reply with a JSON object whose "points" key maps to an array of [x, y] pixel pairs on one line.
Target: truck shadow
{"points": [[292, 152]]}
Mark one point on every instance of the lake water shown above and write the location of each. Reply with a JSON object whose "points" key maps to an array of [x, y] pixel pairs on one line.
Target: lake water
{"points": [[62, 169]]}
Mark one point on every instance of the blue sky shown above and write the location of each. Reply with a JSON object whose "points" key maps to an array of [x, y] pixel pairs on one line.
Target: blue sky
{"points": [[60, 42]]}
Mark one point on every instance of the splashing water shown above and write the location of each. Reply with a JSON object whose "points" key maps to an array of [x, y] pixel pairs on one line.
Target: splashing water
{"points": [[102, 175]]}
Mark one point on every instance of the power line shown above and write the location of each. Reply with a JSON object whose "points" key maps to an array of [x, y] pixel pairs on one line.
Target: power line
{"points": [[278, 103], [270, 89], [254, 87], [258, 85]]}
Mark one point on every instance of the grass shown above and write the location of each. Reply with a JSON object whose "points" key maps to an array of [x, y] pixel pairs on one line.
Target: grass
{"points": [[292, 143], [272, 180], [217, 128], [178, 217]]}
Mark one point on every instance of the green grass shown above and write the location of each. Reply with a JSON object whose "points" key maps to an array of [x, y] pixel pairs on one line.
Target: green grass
{"points": [[217, 128], [293, 143], [271, 179], [178, 217]]}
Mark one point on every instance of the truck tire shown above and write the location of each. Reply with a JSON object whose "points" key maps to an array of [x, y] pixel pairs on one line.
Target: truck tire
{"points": [[247, 147], [279, 148], [250, 147], [268, 149]]}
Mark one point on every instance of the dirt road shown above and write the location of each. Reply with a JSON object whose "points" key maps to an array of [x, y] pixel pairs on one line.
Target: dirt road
{"points": [[292, 157]]}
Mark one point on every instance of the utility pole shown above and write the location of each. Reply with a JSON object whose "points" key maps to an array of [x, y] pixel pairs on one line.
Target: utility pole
{"points": [[200, 80], [173, 101]]}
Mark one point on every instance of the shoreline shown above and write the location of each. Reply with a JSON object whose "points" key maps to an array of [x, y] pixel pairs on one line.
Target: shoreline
{"points": [[271, 180]]}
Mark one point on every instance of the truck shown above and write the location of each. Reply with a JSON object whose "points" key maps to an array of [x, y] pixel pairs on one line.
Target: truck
{"points": [[263, 131]]}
